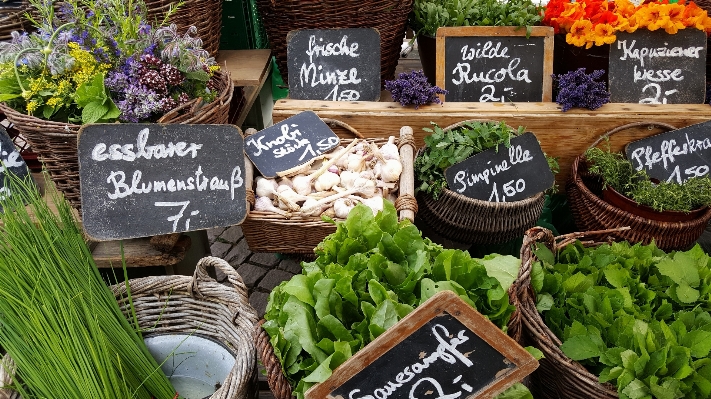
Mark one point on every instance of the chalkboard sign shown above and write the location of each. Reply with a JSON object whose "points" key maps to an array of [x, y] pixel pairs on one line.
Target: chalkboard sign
{"points": [[12, 162], [444, 347], [290, 143], [334, 64], [139, 180], [654, 67], [674, 156], [503, 174], [495, 64]]}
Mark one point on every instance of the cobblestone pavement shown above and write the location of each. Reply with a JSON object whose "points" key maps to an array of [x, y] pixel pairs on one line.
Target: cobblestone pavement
{"points": [[260, 271]]}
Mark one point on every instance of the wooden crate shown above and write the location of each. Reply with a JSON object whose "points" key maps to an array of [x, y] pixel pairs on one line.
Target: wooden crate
{"points": [[564, 135]]}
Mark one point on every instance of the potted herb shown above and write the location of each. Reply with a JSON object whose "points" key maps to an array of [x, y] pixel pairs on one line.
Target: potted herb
{"points": [[632, 190], [428, 15], [459, 218]]}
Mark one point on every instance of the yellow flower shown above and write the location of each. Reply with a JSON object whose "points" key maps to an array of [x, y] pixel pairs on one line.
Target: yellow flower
{"points": [[54, 101], [32, 106], [214, 68], [604, 34], [580, 33], [85, 66]]}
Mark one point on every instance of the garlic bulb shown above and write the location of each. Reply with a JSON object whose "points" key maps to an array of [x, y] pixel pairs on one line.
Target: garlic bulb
{"points": [[302, 184], [342, 207], [355, 162], [265, 187], [326, 181], [391, 171], [311, 207], [389, 150], [364, 186], [347, 178], [264, 204], [375, 203]]}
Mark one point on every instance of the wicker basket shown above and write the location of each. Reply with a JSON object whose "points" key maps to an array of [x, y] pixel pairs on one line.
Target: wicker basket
{"points": [[205, 15], [55, 143], [584, 193], [557, 376], [270, 232], [471, 221], [194, 305], [389, 17], [200, 305]]}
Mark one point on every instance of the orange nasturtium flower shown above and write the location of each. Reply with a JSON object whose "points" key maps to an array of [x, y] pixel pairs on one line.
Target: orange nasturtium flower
{"points": [[580, 33], [676, 18], [602, 34], [573, 12]]}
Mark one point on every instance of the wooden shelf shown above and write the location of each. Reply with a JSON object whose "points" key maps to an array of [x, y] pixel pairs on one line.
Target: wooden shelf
{"points": [[248, 69], [564, 135]]}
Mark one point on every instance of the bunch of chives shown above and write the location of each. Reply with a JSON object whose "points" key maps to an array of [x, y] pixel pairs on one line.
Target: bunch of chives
{"points": [[58, 320]]}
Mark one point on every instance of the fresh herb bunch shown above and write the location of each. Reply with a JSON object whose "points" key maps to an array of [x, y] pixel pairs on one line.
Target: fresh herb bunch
{"points": [[60, 324], [617, 172], [579, 89], [368, 275], [428, 15], [633, 315], [413, 88], [101, 61]]}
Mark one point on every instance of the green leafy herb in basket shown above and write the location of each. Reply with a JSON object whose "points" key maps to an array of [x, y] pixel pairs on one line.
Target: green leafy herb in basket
{"points": [[635, 316], [446, 148], [369, 274], [59, 322], [617, 172]]}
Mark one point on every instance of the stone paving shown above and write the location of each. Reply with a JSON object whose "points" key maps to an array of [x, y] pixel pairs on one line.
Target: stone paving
{"points": [[260, 271]]}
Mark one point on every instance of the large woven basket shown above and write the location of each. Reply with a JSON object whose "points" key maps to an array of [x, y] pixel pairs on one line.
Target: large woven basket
{"points": [[55, 143], [471, 221], [557, 375], [591, 212], [205, 15], [270, 232], [201, 305], [389, 17]]}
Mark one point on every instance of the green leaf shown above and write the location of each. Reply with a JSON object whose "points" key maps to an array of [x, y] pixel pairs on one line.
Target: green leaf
{"points": [[333, 325], [535, 352], [637, 390], [92, 112], [91, 91], [201, 76], [544, 254], [544, 302], [385, 316], [502, 268], [47, 111], [516, 391], [580, 347], [578, 282], [113, 111], [686, 294], [298, 286], [8, 96], [681, 269], [699, 342], [387, 218]]}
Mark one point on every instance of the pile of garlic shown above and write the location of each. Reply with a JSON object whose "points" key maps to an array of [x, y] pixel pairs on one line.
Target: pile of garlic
{"points": [[335, 182]]}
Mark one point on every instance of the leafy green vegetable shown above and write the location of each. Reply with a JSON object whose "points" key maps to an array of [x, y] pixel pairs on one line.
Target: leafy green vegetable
{"points": [[635, 316], [369, 274]]}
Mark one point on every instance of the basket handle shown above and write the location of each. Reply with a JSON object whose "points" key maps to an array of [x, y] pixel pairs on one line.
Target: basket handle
{"points": [[649, 125], [406, 204], [201, 275]]}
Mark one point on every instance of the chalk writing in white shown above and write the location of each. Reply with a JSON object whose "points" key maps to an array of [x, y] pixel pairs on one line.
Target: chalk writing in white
{"points": [[312, 75], [125, 152]]}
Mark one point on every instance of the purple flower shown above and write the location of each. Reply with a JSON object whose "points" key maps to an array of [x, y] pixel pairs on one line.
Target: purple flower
{"points": [[413, 88], [579, 89], [139, 104]]}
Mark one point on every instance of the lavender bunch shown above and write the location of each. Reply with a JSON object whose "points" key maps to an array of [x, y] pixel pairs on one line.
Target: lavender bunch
{"points": [[413, 88], [579, 89]]}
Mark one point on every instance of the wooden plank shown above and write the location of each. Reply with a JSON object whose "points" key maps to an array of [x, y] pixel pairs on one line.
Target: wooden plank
{"points": [[246, 67], [564, 135], [138, 252]]}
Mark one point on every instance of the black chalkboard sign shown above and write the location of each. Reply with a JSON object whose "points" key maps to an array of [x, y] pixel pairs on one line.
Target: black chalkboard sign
{"points": [[674, 156], [290, 143], [12, 162], [654, 67], [503, 174], [495, 64], [444, 347], [334, 64], [140, 180]]}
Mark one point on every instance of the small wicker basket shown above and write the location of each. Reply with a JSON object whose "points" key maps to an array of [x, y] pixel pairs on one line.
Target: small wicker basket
{"points": [[590, 212], [13, 19], [55, 143], [557, 376], [270, 232], [471, 221], [205, 15]]}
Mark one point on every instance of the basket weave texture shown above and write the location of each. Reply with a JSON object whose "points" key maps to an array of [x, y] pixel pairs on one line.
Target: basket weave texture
{"points": [[389, 17], [472, 221], [200, 305], [55, 143], [270, 232], [205, 15], [13, 19], [590, 212], [557, 375]]}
